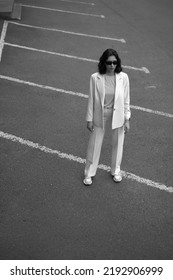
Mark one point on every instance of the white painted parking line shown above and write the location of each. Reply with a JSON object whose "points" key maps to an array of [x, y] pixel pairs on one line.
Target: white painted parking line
{"points": [[11, 79], [68, 32], [63, 11], [152, 111], [72, 157], [2, 39], [78, 94], [49, 52], [142, 69], [77, 2], [148, 87]]}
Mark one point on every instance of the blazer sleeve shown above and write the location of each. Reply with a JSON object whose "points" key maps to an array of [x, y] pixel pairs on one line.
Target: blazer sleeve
{"points": [[90, 107], [127, 111]]}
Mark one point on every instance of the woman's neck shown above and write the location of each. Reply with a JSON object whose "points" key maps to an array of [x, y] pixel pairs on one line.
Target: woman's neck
{"points": [[110, 73]]}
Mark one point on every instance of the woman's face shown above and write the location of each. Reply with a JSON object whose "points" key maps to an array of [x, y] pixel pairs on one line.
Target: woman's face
{"points": [[111, 63]]}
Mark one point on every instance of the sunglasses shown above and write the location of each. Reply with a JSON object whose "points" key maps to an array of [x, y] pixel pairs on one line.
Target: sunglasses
{"points": [[111, 62]]}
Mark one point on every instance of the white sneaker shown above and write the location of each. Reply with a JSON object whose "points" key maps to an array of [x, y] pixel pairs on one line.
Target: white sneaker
{"points": [[117, 178], [87, 181]]}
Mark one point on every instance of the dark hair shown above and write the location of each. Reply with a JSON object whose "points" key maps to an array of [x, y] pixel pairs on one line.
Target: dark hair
{"points": [[104, 57]]}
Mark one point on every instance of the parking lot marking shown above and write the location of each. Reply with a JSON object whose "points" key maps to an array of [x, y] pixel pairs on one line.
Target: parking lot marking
{"points": [[152, 111], [68, 32], [63, 11], [78, 2], [2, 39], [43, 86], [149, 87], [72, 157], [142, 69], [50, 52], [16, 80]]}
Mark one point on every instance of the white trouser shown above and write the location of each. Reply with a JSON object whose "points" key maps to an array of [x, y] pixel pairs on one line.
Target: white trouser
{"points": [[95, 144]]}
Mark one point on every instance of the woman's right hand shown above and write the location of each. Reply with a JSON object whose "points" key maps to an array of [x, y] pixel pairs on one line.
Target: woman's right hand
{"points": [[90, 126]]}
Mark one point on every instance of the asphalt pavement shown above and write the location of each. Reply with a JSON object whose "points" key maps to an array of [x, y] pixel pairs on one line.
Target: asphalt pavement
{"points": [[46, 62]]}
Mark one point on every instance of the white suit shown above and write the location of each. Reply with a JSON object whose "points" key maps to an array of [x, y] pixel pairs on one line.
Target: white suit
{"points": [[121, 110], [97, 114]]}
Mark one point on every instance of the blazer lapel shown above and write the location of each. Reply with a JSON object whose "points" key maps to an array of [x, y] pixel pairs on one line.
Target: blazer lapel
{"points": [[118, 85], [100, 84], [101, 88]]}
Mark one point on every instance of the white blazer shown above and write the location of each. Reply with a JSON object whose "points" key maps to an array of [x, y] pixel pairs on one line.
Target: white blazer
{"points": [[121, 108]]}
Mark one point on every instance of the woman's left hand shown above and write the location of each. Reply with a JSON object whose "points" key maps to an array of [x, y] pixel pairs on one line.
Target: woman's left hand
{"points": [[126, 126]]}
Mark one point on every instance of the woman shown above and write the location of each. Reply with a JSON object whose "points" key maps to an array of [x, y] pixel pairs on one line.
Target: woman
{"points": [[108, 103]]}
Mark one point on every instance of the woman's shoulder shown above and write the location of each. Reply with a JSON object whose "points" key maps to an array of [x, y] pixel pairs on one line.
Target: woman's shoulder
{"points": [[95, 75], [124, 74]]}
